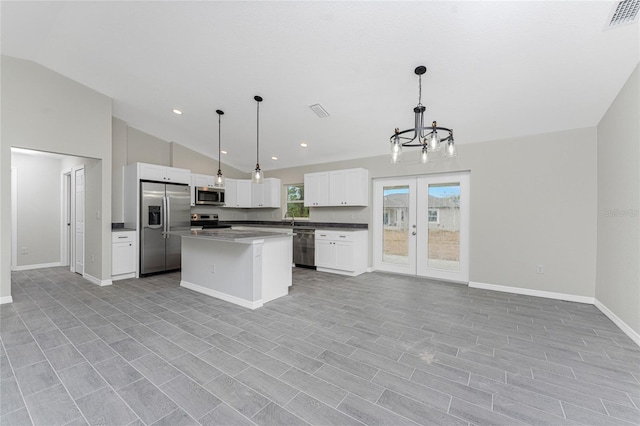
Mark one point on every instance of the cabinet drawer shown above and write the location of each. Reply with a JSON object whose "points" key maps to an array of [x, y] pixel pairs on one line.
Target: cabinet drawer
{"points": [[123, 237], [334, 235]]}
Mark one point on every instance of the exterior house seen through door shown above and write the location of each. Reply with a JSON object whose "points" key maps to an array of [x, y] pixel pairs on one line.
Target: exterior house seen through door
{"points": [[421, 226]]}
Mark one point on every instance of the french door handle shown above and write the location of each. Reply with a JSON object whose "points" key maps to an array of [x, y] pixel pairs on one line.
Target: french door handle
{"points": [[414, 233]]}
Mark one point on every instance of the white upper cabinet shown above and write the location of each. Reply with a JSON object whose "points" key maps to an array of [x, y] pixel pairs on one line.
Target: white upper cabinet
{"points": [[203, 181], [163, 173], [348, 187], [266, 194], [237, 193], [316, 189], [242, 193]]}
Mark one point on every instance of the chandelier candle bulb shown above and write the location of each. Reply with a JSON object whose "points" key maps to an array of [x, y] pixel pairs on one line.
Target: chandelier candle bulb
{"points": [[424, 156]]}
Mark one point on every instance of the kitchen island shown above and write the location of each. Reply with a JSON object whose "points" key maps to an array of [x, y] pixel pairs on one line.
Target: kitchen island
{"points": [[245, 267]]}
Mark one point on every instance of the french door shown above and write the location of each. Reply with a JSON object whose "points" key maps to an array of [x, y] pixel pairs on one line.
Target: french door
{"points": [[421, 226]]}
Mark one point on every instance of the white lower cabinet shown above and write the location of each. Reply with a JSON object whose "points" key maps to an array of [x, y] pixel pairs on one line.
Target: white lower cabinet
{"points": [[341, 252], [123, 255]]}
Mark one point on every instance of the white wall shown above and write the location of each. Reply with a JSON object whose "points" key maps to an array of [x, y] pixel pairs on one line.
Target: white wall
{"points": [[618, 270], [533, 201], [46, 111]]}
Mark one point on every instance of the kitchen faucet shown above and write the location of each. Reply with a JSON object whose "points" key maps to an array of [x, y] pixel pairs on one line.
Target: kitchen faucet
{"points": [[293, 219]]}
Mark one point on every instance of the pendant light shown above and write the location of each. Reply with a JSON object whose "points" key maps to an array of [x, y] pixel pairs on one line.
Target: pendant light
{"points": [[257, 176], [219, 182]]}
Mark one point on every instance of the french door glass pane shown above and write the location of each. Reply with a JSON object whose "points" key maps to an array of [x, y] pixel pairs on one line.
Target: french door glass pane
{"points": [[443, 217], [395, 223]]}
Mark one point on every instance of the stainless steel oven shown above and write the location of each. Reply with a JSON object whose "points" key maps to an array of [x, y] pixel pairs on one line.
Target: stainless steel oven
{"points": [[209, 196]]}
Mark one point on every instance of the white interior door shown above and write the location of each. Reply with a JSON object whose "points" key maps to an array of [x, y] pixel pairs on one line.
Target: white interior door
{"points": [[79, 217], [65, 220], [395, 225], [421, 226]]}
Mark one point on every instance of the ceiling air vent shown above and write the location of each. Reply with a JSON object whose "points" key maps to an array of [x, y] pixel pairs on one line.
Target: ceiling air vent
{"points": [[320, 112], [625, 12]]}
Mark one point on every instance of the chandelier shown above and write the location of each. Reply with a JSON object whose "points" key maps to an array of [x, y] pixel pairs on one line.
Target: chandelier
{"points": [[429, 138]]}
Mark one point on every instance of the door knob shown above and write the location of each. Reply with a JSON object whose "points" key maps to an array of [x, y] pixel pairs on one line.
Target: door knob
{"points": [[413, 233]]}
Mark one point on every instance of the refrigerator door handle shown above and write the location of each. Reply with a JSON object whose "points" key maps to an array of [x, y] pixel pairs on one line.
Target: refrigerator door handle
{"points": [[168, 221], [164, 217]]}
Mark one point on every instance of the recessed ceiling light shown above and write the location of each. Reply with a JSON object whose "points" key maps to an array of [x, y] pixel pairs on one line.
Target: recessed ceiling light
{"points": [[177, 111], [304, 144], [224, 152], [274, 158]]}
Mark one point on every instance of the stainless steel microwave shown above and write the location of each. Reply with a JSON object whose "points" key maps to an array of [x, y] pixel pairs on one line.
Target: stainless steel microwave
{"points": [[209, 196]]}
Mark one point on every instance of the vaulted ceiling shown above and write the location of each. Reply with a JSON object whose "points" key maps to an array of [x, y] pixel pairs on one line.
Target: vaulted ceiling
{"points": [[495, 69]]}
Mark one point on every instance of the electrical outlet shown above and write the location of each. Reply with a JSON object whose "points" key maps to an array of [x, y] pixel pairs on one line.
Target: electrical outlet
{"points": [[24, 250], [540, 269]]}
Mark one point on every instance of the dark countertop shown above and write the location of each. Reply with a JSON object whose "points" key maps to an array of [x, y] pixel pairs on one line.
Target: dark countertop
{"points": [[299, 225], [121, 229]]}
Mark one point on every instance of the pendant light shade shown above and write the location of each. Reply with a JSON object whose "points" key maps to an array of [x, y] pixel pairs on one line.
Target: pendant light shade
{"points": [[257, 176], [219, 181]]}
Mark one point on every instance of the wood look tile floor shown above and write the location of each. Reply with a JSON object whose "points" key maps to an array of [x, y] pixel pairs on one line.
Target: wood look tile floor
{"points": [[376, 349]]}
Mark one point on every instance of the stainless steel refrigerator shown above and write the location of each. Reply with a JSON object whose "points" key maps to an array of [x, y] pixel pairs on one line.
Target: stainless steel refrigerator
{"points": [[163, 207]]}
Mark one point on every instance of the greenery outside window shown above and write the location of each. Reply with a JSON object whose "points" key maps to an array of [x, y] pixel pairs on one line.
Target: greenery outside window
{"points": [[295, 201]]}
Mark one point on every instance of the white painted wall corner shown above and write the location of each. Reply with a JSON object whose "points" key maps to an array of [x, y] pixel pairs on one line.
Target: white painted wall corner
{"points": [[635, 336]]}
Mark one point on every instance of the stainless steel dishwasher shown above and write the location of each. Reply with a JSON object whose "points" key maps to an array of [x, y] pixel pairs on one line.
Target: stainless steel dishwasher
{"points": [[304, 248]]}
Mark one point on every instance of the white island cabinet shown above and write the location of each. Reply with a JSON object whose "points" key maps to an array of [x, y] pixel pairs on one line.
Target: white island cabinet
{"points": [[245, 267]]}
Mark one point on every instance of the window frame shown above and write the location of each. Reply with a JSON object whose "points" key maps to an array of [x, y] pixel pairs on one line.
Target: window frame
{"points": [[287, 201]]}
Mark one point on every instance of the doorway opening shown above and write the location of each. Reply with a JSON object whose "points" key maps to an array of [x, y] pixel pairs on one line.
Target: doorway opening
{"points": [[48, 210]]}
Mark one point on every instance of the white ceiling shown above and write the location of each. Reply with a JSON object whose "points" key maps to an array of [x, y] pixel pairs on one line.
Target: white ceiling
{"points": [[495, 69]]}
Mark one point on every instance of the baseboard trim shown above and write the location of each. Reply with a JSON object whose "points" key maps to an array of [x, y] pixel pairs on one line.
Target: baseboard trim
{"points": [[6, 299], [223, 296], [530, 292], [97, 281], [123, 276], [635, 336], [37, 266]]}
